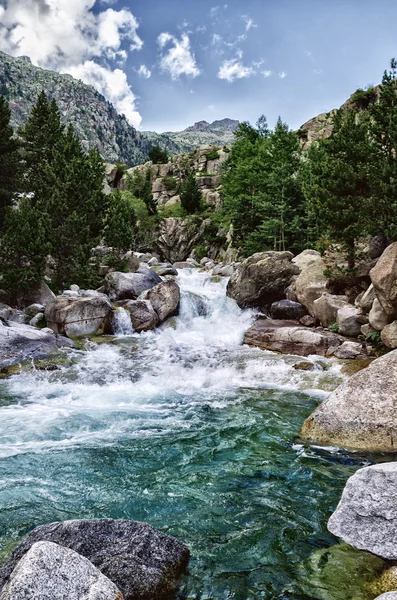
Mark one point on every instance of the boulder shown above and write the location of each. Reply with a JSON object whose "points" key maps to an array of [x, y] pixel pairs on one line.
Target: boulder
{"points": [[290, 338], [182, 265], [306, 258], [286, 309], [5, 311], [384, 280], [75, 317], [311, 284], [165, 269], [389, 335], [361, 414], [367, 299], [377, 246], [366, 516], [326, 308], [39, 294], [387, 596], [347, 321], [261, 279], [34, 309], [124, 286], [141, 561], [351, 350], [164, 298], [378, 318], [132, 261], [143, 315], [49, 571], [23, 342]]}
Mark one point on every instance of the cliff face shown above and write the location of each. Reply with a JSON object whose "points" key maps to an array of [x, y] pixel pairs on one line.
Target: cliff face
{"points": [[321, 127], [95, 120]]}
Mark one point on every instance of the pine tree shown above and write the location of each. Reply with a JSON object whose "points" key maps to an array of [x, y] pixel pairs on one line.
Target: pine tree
{"points": [[40, 138], [336, 181], [158, 156], [23, 250], [71, 197], [190, 195], [119, 224], [9, 161], [383, 174], [140, 184]]}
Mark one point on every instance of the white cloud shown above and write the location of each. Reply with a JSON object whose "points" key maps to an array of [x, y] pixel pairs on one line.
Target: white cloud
{"points": [[233, 69], [179, 58], [282, 74], [112, 84], [317, 71], [249, 24], [143, 71], [267, 73], [65, 35]]}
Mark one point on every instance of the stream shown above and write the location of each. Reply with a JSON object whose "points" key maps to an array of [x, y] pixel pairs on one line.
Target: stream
{"points": [[192, 432]]}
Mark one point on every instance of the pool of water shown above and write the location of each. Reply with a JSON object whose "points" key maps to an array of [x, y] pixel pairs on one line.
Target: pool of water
{"points": [[190, 431]]}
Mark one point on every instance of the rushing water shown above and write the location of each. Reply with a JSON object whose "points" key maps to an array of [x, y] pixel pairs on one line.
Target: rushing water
{"points": [[188, 430]]}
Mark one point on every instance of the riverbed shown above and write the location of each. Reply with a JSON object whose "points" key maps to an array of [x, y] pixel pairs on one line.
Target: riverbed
{"points": [[187, 429]]}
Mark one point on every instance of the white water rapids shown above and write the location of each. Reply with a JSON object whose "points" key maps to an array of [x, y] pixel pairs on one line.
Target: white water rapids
{"points": [[147, 383]]}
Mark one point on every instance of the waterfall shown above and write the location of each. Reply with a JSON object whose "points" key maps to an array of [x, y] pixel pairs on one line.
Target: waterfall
{"points": [[122, 322]]}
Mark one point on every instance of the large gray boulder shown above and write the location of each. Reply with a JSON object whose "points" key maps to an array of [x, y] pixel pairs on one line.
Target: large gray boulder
{"points": [[389, 335], [387, 596], [306, 258], [326, 308], [23, 342], [141, 561], [378, 318], [290, 338], [49, 572], [287, 309], [384, 280], [142, 313], [366, 516], [262, 279], [367, 299], [38, 294], [164, 298], [311, 284], [124, 286], [347, 321], [76, 317], [361, 414]]}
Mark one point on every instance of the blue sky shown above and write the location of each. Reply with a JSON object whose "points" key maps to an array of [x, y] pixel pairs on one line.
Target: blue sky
{"points": [[169, 64]]}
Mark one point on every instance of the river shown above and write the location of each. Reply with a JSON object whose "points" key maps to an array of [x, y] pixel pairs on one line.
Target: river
{"points": [[188, 430]]}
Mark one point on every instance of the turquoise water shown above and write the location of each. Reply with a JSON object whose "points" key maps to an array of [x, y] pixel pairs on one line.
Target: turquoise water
{"points": [[190, 431]]}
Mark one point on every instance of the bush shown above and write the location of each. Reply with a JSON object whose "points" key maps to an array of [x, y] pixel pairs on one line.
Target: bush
{"points": [[170, 183], [200, 251], [212, 155], [158, 156], [363, 98]]}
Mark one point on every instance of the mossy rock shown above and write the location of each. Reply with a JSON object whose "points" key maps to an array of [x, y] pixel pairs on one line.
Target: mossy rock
{"points": [[11, 370], [350, 367], [340, 573], [386, 582]]}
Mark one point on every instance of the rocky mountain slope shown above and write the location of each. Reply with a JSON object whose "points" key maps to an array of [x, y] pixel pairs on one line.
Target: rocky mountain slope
{"points": [[94, 119], [202, 133]]}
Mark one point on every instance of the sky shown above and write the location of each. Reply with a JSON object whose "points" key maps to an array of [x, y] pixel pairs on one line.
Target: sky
{"points": [[167, 64]]}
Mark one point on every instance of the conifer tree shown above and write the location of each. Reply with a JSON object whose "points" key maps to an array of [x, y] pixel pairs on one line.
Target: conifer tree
{"points": [[23, 250], [336, 181], [190, 194], [9, 160], [71, 198], [40, 137], [119, 226], [158, 156]]}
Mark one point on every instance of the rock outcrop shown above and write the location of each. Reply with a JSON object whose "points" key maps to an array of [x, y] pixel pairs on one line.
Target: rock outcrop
{"points": [[49, 572], [262, 279], [361, 414], [78, 316], [384, 280], [142, 562], [366, 517], [23, 342], [178, 237]]}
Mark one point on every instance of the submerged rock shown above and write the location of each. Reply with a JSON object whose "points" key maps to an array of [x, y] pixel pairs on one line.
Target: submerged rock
{"points": [[142, 562], [262, 279], [77, 317], [23, 342], [361, 414], [49, 572], [366, 516], [124, 286]]}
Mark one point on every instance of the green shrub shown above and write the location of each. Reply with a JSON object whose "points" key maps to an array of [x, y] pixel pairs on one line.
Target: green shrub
{"points": [[212, 155], [170, 183], [363, 98], [334, 328], [200, 251]]}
